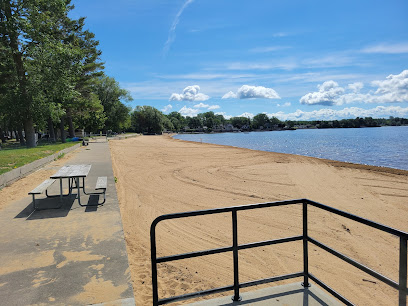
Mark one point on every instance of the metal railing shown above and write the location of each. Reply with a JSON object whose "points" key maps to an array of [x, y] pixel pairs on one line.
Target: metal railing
{"points": [[401, 286]]}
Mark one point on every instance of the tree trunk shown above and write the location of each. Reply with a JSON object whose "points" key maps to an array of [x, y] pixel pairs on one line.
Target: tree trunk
{"points": [[17, 135], [29, 133], [2, 138], [62, 128], [71, 131], [20, 135], [21, 73], [51, 131]]}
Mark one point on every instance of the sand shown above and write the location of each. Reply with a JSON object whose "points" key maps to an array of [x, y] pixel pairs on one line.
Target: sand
{"points": [[159, 175]]}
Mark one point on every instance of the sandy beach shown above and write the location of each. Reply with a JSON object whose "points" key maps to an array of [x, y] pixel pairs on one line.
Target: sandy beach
{"points": [[159, 175]]}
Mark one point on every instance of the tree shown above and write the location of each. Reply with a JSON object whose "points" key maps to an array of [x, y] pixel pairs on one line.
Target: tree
{"points": [[33, 32], [177, 120], [260, 120], [239, 122], [110, 94], [147, 119]]}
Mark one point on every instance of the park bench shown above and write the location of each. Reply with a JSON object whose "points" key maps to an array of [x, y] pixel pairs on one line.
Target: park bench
{"points": [[101, 184], [40, 189]]}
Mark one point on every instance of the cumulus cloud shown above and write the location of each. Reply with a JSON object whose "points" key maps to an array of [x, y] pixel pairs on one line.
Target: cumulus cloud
{"points": [[190, 93], [228, 117], [250, 115], [328, 92], [187, 111], [355, 87], [394, 89], [207, 106], [229, 95], [346, 113], [252, 92], [167, 108]]}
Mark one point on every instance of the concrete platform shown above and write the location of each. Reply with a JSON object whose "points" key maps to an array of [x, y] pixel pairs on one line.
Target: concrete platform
{"points": [[68, 256], [292, 294]]}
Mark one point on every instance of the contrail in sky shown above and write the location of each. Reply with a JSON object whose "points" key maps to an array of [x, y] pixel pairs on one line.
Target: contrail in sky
{"points": [[172, 31]]}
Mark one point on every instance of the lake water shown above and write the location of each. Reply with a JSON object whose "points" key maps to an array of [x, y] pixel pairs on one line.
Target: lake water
{"points": [[383, 146]]}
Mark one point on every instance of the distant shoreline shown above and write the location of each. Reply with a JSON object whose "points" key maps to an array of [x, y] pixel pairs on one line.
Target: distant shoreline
{"points": [[384, 147]]}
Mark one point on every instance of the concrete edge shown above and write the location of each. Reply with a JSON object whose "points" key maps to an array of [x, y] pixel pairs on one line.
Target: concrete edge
{"points": [[15, 174], [120, 137]]}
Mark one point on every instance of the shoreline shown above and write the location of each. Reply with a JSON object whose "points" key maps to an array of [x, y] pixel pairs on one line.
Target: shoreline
{"points": [[335, 163], [159, 175]]}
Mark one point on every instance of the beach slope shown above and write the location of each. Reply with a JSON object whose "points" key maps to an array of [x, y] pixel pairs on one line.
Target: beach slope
{"points": [[158, 175]]}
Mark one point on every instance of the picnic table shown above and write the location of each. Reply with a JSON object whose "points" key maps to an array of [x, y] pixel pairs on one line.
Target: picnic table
{"points": [[73, 173]]}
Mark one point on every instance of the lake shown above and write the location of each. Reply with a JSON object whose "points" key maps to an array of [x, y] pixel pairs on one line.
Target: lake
{"points": [[383, 146]]}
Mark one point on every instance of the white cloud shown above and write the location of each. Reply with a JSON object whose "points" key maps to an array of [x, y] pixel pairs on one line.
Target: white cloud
{"points": [[224, 114], [287, 104], [387, 48], [229, 95], [207, 106], [187, 111], [252, 92], [167, 108], [346, 113], [250, 115], [201, 105], [212, 107], [190, 93], [172, 31], [355, 87], [328, 92], [394, 89]]}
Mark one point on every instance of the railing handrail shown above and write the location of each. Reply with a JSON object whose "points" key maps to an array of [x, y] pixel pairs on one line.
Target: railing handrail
{"points": [[401, 286]]}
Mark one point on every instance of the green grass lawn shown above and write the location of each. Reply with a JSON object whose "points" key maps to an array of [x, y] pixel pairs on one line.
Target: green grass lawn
{"points": [[12, 155]]}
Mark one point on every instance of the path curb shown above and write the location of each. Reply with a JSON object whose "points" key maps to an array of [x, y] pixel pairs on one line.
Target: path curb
{"points": [[23, 171]]}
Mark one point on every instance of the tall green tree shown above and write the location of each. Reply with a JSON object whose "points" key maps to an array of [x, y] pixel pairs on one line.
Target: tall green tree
{"points": [[147, 119], [110, 94], [32, 31], [260, 120]]}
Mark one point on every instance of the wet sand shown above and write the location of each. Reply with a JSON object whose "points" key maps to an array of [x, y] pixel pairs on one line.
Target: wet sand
{"points": [[159, 175]]}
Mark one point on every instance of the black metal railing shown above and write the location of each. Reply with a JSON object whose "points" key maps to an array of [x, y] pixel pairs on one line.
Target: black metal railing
{"points": [[401, 286]]}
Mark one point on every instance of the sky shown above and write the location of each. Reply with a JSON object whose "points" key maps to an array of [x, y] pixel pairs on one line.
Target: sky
{"points": [[293, 59]]}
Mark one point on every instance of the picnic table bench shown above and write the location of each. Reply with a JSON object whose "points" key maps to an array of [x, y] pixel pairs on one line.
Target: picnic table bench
{"points": [[40, 189]]}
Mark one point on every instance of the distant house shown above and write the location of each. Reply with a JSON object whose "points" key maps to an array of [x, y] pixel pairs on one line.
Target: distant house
{"points": [[228, 127], [245, 127]]}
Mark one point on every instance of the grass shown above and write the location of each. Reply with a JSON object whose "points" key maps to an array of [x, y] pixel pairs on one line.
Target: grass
{"points": [[12, 155]]}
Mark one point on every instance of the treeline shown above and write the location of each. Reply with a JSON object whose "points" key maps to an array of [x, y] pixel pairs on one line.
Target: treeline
{"points": [[51, 75], [350, 123], [148, 120]]}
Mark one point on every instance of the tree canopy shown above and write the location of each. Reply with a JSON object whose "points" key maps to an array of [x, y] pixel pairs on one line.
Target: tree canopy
{"points": [[51, 73]]}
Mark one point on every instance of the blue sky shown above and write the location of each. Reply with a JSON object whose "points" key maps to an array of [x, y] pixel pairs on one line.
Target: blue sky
{"points": [[298, 60]]}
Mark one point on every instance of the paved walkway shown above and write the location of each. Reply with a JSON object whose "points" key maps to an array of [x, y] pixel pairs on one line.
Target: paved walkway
{"points": [[71, 256]]}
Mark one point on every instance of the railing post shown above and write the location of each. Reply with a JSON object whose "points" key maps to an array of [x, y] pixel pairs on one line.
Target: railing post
{"points": [[236, 296], [305, 248], [154, 263], [402, 301]]}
